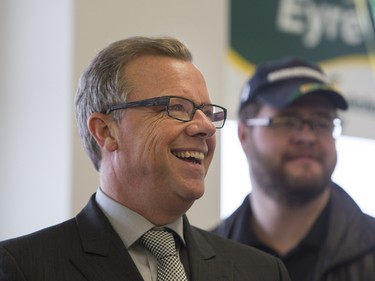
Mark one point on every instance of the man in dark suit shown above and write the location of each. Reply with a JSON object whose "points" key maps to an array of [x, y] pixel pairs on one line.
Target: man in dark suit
{"points": [[147, 123]]}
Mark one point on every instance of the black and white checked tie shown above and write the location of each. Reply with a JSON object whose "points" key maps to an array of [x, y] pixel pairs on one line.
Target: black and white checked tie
{"points": [[161, 243]]}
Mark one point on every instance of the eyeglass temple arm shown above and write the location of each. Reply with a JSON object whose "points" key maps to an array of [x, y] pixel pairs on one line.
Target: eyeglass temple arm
{"points": [[148, 102], [258, 121]]}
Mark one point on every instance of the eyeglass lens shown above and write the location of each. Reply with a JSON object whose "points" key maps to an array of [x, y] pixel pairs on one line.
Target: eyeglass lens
{"points": [[322, 126], [184, 110]]}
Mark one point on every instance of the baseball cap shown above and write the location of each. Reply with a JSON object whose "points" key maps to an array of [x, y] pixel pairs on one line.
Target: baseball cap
{"points": [[280, 83]]}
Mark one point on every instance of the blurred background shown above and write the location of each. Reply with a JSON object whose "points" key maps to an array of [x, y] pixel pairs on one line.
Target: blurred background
{"points": [[46, 178]]}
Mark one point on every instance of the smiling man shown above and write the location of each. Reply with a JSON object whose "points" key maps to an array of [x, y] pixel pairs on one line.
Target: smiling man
{"points": [[148, 125], [287, 128]]}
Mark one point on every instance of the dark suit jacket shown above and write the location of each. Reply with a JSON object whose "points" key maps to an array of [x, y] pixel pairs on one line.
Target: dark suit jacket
{"points": [[88, 248]]}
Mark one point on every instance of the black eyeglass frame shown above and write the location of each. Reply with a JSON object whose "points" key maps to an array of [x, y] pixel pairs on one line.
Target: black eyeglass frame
{"points": [[164, 101]]}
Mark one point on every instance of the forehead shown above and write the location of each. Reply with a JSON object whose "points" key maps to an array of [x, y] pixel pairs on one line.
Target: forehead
{"points": [[152, 76]]}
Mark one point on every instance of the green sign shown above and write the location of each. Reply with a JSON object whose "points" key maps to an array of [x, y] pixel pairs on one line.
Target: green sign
{"points": [[317, 30]]}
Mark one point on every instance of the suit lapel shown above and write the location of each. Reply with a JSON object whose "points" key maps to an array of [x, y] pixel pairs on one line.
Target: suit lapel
{"points": [[104, 255], [105, 258], [204, 262]]}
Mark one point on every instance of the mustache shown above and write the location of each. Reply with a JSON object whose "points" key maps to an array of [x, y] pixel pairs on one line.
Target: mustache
{"points": [[303, 152]]}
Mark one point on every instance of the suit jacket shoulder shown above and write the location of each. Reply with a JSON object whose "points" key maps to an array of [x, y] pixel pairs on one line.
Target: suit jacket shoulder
{"points": [[83, 248]]}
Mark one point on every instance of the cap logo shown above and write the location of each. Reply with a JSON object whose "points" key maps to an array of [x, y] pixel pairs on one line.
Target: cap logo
{"points": [[294, 72], [306, 88]]}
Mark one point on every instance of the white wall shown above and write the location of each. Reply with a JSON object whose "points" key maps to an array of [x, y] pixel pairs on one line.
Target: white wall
{"points": [[44, 175], [35, 108]]}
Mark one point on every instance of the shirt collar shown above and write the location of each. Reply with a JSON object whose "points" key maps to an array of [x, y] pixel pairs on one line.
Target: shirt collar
{"points": [[314, 238], [129, 225]]}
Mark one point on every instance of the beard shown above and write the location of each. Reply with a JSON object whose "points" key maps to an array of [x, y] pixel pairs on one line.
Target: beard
{"points": [[286, 187]]}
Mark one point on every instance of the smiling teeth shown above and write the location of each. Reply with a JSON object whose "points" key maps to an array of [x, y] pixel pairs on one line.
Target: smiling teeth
{"points": [[190, 154]]}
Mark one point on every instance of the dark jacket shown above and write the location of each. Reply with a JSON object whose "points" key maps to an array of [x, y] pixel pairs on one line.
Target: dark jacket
{"points": [[88, 248], [349, 251]]}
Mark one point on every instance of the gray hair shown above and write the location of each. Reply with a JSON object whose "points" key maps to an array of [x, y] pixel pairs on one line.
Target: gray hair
{"points": [[103, 82]]}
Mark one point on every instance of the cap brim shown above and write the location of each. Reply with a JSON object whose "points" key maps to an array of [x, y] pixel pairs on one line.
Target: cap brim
{"points": [[284, 94]]}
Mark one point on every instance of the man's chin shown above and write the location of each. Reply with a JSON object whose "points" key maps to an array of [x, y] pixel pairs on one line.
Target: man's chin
{"points": [[301, 191]]}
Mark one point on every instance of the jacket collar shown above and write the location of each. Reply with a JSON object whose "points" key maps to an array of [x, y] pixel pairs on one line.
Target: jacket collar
{"points": [[104, 256], [351, 234], [204, 261]]}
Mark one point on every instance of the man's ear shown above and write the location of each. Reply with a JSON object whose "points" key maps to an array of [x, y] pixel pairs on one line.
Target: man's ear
{"points": [[243, 136], [104, 130]]}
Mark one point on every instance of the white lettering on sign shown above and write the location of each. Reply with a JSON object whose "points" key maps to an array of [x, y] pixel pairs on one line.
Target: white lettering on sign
{"points": [[315, 22]]}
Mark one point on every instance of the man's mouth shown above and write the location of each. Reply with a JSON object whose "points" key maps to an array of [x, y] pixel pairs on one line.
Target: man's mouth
{"points": [[190, 156], [303, 155]]}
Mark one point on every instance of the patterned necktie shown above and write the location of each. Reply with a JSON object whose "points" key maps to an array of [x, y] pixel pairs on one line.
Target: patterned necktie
{"points": [[162, 245]]}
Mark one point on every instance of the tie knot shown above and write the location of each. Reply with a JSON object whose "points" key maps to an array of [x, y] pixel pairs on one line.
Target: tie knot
{"points": [[160, 242]]}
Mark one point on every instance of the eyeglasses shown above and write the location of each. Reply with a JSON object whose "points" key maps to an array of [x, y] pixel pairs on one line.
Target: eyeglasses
{"points": [[289, 124], [179, 108]]}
